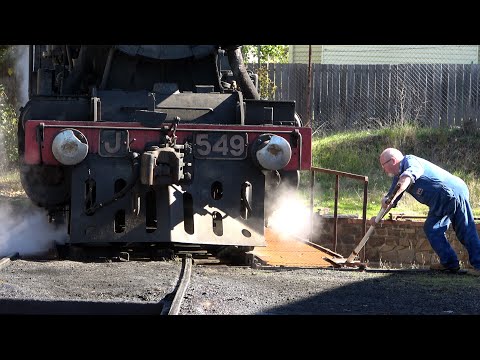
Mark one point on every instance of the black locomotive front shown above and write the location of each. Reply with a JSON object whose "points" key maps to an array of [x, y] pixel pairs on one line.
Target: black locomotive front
{"points": [[155, 144]]}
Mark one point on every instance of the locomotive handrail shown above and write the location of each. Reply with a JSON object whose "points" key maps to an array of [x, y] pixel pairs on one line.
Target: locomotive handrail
{"points": [[185, 108], [335, 215], [164, 127]]}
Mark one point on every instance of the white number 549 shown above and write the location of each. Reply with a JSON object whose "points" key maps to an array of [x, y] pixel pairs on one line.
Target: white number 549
{"points": [[220, 146]]}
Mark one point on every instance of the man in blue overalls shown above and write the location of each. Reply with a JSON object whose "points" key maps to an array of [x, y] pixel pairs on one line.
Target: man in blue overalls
{"points": [[447, 197]]}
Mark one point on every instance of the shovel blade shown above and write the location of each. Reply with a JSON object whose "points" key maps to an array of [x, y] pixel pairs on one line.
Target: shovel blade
{"points": [[343, 262]]}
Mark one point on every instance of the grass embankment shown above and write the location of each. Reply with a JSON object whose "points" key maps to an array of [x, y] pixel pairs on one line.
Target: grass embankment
{"points": [[357, 152], [10, 186], [11, 190]]}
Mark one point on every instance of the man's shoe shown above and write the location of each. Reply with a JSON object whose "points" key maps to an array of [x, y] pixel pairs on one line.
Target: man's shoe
{"points": [[474, 272], [440, 267]]}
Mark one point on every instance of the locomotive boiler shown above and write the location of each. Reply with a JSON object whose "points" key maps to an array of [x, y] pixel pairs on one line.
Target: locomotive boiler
{"points": [[155, 144]]}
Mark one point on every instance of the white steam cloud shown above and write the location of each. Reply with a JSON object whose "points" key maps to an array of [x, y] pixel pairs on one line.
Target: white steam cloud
{"points": [[24, 229], [21, 68], [28, 234], [291, 215]]}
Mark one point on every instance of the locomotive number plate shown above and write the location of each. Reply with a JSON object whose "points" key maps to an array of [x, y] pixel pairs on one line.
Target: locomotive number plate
{"points": [[222, 146]]}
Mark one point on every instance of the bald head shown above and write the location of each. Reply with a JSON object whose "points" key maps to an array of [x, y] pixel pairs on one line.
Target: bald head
{"points": [[391, 153], [390, 160]]}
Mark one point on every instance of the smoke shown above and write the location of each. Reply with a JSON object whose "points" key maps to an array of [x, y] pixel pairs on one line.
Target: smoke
{"points": [[24, 229], [28, 234], [291, 215], [21, 69]]}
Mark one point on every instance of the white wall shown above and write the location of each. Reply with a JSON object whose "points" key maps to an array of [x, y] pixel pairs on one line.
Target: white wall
{"points": [[386, 54]]}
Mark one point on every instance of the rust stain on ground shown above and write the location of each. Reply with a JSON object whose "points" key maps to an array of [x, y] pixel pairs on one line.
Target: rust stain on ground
{"points": [[287, 250]]}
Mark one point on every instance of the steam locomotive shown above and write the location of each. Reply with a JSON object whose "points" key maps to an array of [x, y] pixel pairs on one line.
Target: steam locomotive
{"points": [[155, 145]]}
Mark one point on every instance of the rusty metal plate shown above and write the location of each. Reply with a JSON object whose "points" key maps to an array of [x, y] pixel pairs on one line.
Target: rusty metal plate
{"points": [[287, 250]]}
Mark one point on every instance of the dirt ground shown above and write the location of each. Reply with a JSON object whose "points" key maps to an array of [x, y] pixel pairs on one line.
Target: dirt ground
{"points": [[140, 287]]}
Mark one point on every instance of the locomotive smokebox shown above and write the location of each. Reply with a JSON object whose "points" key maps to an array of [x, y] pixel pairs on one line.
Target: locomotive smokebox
{"points": [[272, 152]]}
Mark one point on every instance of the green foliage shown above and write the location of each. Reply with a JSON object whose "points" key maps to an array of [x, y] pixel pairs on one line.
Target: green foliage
{"points": [[3, 52], [8, 115], [268, 53], [267, 87], [8, 131]]}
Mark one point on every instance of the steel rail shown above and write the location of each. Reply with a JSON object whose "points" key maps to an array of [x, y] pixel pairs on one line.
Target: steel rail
{"points": [[5, 261], [182, 285]]}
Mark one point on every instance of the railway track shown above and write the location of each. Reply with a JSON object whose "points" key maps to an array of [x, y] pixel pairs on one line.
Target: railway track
{"points": [[37, 287], [55, 287], [125, 282]]}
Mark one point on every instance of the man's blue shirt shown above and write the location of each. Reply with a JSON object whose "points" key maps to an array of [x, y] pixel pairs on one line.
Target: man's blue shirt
{"points": [[431, 185]]}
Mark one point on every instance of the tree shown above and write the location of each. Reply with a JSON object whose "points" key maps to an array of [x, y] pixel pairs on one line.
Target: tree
{"points": [[268, 53], [264, 55], [8, 105]]}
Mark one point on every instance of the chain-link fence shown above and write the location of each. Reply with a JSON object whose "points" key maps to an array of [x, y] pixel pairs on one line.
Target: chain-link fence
{"points": [[339, 87]]}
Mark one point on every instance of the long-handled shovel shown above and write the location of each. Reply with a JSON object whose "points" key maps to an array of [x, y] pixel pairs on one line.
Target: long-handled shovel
{"points": [[351, 259], [365, 238]]}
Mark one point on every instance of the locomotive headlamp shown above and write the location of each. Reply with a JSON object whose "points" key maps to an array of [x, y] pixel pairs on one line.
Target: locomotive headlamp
{"points": [[70, 147], [272, 152]]}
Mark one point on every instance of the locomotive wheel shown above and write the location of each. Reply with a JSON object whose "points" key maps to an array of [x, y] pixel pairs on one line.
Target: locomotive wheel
{"points": [[44, 185]]}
